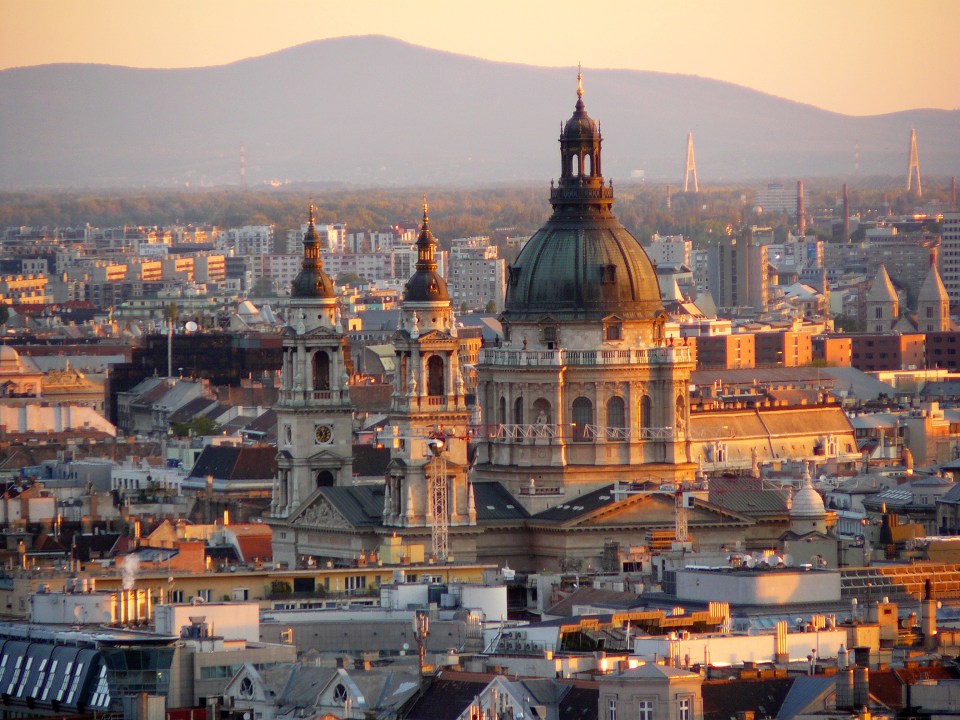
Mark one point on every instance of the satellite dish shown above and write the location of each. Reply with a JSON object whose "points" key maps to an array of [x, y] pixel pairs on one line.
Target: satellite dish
{"points": [[191, 326]]}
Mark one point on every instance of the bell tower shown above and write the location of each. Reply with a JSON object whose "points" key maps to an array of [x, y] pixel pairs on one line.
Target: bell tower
{"points": [[428, 408], [314, 413]]}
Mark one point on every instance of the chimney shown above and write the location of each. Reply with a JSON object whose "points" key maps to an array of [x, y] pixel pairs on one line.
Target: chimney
{"points": [[928, 620], [861, 687], [844, 689]]}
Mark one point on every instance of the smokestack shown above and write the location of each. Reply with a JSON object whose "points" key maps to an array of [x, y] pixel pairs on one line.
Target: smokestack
{"points": [[844, 689], [928, 621], [801, 211], [782, 652], [861, 687], [846, 214]]}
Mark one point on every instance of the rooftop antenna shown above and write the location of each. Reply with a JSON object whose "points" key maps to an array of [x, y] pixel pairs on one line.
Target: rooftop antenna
{"points": [[690, 167]]}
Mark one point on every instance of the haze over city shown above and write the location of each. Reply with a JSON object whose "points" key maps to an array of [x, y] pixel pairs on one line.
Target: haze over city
{"points": [[352, 368], [858, 57]]}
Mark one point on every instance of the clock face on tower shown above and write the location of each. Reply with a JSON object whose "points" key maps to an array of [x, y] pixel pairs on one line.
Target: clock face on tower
{"points": [[324, 434]]}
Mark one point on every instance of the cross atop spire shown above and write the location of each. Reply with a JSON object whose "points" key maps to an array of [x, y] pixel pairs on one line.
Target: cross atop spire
{"points": [[425, 218], [579, 82]]}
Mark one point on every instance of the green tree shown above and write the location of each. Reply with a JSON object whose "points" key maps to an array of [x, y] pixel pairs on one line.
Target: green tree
{"points": [[263, 288], [171, 312], [197, 427], [491, 307], [348, 278]]}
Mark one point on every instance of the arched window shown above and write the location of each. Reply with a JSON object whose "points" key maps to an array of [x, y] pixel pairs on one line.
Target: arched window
{"points": [[587, 164], [321, 371], [518, 411], [582, 417], [646, 412], [616, 419], [681, 416], [435, 384], [502, 411], [576, 165], [325, 478]]}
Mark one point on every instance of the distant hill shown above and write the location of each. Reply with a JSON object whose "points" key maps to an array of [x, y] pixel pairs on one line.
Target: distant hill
{"points": [[377, 111]]}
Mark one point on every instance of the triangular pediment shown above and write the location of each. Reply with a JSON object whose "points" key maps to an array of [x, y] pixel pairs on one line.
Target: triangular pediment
{"points": [[320, 512], [325, 457], [324, 333], [651, 510]]}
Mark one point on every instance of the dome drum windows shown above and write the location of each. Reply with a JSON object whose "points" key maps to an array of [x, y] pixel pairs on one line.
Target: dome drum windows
{"points": [[550, 335], [617, 429], [646, 414], [582, 413], [612, 329]]}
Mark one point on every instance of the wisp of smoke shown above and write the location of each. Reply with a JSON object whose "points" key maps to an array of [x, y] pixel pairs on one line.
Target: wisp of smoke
{"points": [[130, 565]]}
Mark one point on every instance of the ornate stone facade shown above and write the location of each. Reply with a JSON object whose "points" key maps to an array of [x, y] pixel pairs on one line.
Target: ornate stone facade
{"points": [[314, 413], [584, 391]]}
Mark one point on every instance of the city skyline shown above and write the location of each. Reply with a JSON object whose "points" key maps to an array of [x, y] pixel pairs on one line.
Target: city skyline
{"points": [[833, 64]]}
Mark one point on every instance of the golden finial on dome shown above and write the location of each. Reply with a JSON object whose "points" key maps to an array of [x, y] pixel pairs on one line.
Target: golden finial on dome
{"points": [[579, 81], [424, 207]]}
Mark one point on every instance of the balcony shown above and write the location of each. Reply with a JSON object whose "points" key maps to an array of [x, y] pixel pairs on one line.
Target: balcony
{"points": [[559, 358]]}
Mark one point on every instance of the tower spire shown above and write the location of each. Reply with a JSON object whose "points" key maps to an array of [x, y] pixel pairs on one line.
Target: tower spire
{"points": [[312, 281], [913, 165], [690, 167], [426, 244], [579, 81]]}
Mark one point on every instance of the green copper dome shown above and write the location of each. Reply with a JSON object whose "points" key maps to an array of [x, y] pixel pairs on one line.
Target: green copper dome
{"points": [[582, 264]]}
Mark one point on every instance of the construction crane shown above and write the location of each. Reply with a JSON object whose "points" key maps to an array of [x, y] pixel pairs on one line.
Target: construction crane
{"points": [[437, 495], [680, 516], [438, 502]]}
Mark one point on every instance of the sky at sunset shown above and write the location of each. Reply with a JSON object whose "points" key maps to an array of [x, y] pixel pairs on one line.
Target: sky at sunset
{"points": [[858, 57]]}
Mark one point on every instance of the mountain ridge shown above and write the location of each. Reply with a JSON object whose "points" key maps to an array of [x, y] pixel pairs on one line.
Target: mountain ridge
{"points": [[371, 110]]}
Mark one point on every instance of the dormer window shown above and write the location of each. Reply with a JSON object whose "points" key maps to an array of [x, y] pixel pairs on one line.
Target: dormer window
{"points": [[514, 273], [608, 274], [612, 328]]}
